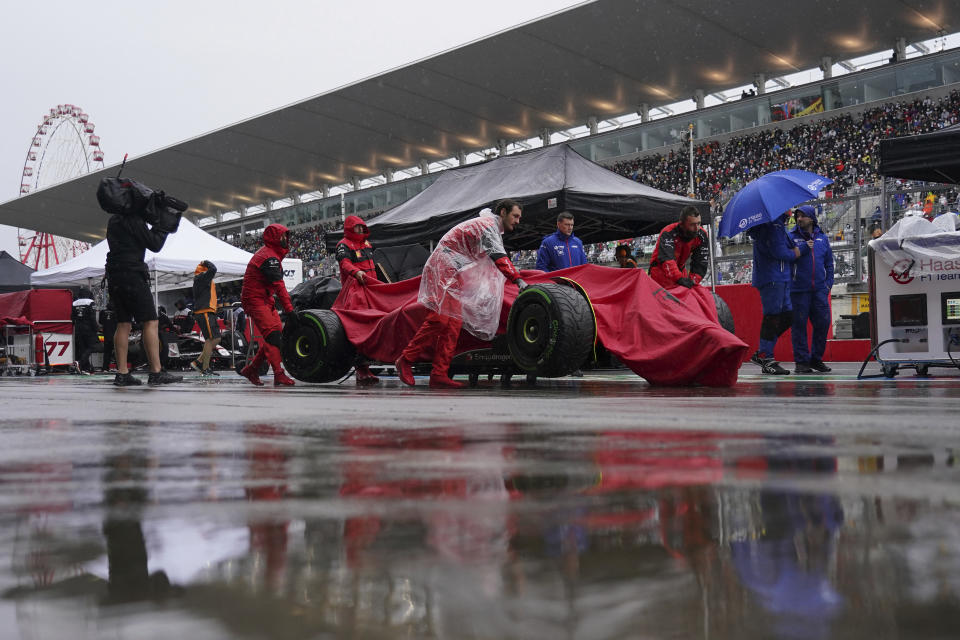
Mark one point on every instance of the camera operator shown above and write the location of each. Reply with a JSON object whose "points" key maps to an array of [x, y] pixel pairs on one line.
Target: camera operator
{"points": [[128, 238]]}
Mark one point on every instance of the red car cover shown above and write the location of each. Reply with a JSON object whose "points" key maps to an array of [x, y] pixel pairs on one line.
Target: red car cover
{"points": [[667, 337]]}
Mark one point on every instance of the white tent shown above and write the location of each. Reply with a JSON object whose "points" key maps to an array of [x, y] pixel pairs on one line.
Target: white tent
{"points": [[171, 268]]}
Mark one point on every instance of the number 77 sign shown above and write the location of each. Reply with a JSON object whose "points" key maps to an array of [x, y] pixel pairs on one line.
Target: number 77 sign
{"points": [[58, 348]]}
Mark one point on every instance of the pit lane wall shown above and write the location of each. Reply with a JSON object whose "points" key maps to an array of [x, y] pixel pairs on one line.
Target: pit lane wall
{"points": [[744, 303]]}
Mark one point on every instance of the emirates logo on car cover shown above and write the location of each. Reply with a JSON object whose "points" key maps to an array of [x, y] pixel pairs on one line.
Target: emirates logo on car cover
{"points": [[901, 271]]}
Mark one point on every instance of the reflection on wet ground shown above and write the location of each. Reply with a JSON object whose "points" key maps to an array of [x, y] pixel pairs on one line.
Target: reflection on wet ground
{"points": [[496, 529]]}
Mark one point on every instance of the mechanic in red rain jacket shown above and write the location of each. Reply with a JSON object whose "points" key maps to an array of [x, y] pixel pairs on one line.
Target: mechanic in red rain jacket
{"points": [[355, 256], [462, 287], [679, 242], [261, 282]]}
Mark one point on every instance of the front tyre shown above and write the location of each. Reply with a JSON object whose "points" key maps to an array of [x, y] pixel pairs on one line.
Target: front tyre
{"points": [[724, 315], [551, 330], [317, 349]]}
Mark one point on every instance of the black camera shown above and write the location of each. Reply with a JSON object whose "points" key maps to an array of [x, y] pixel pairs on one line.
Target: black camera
{"points": [[129, 197], [164, 212]]}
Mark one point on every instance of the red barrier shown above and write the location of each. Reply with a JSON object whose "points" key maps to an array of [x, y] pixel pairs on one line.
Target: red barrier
{"points": [[744, 303], [51, 307]]}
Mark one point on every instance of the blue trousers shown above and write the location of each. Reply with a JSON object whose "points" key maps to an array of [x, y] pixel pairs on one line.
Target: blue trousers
{"points": [[812, 306], [775, 299]]}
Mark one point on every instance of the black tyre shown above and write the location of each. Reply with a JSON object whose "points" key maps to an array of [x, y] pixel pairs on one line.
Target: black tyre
{"points": [[724, 315], [233, 341], [317, 350], [551, 330]]}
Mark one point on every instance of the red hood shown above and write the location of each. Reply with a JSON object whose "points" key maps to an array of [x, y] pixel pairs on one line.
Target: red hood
{"points": [[271, 238], [348, 232]]}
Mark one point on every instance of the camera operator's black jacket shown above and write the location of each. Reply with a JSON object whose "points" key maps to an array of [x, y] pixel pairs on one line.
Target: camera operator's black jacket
{"points": [[128, 238]]}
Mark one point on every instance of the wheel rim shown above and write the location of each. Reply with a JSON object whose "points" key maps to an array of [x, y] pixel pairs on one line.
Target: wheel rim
{"points": [[302, 346], [534, 333], [531, 330]]}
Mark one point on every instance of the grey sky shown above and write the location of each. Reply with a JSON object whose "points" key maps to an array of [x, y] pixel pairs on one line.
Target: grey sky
{"points": [[153, 73]]}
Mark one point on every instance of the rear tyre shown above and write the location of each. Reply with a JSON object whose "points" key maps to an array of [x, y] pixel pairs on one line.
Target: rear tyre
{"points": [[724, 315], [550, 331], [317, 349]]}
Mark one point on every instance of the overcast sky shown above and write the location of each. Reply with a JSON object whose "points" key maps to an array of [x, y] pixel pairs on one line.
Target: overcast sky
{"points": [[154, 73]]}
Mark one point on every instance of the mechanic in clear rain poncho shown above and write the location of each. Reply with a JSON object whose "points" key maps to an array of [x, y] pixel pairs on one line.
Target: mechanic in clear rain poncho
{"points": [[462, 286]]}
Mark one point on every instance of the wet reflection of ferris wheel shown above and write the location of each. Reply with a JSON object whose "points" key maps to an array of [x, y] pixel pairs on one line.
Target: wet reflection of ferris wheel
{"points": [[63, 147]]}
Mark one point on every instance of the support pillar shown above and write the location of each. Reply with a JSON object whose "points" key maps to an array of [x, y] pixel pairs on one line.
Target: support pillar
{"points": [[760, 82], [644, 112], [900, 50], [593, 125], [826, 65], [502, 147], [424, 167], [355, 181], [388, 175], [698, 98], [545, 137], [461, 157]]}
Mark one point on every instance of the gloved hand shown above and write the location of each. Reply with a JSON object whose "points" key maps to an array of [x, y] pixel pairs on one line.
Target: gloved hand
{"points": [[521, 284], [686, 282], [291, 320], [207, 264]]}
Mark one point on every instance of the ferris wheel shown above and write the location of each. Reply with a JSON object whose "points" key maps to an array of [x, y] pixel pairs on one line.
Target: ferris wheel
{"points": [[63, 147]]}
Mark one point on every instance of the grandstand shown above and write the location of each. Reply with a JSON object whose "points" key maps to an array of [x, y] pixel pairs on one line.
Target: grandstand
{"points": [[842, 144]]}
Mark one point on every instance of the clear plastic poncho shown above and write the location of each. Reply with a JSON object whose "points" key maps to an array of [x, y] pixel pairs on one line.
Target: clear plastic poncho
{"points": [[461, 281]]}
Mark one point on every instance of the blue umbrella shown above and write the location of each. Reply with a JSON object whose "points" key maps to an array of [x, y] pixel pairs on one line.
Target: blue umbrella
{"points": [[768, 197]]}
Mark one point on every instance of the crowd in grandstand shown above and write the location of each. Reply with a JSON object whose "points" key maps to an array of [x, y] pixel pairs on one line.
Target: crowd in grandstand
{"points": [[844, 148]]}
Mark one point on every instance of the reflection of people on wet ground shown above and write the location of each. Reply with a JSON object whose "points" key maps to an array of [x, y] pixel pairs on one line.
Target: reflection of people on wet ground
{"points": [[129, 579], [789, 566], [267, 481]]}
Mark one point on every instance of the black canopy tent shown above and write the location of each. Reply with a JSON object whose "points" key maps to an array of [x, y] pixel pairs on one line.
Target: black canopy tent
{"points": [[14, 275], [931, 157], [546, 182]]}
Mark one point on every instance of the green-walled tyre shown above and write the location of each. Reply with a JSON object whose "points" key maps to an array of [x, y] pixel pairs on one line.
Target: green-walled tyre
{"points": [[317, 349]]}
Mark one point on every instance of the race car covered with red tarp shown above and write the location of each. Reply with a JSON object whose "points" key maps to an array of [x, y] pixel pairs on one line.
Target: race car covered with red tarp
{"points": [[549, 330]]}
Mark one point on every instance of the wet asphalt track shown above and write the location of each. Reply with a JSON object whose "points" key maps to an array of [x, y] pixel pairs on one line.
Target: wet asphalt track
{"points": [[601, 507]]}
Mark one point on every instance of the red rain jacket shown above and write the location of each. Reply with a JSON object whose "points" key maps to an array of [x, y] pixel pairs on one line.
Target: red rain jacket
{"points": [[264, 276]]}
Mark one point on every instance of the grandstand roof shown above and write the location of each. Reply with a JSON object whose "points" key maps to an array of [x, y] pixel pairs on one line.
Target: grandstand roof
{"points": [[598, 59]]}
